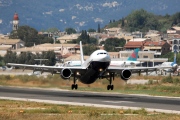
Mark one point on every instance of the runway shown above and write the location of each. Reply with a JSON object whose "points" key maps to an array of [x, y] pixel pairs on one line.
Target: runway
{"points": [[111, 100]]}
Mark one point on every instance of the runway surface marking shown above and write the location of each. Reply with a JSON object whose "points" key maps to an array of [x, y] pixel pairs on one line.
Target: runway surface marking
{"points": [[118, 101]]}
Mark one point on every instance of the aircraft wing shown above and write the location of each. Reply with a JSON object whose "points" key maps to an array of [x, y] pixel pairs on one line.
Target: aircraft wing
{"points": [[135, 69], [44, 68]]}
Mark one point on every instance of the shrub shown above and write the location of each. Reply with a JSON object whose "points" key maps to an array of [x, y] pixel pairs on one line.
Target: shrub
{"points": [[176, 81], [94, 114], [168, 79], [150, 82]]}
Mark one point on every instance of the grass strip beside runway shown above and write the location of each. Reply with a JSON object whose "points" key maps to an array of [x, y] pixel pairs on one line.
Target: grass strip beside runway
{"points": [[25, 110]]}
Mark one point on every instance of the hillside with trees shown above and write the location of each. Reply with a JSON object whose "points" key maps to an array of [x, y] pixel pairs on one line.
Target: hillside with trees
{"points": [[141, 20]]}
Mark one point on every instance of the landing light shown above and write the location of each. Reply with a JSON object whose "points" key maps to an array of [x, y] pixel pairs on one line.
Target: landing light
{"points": [[77, 73], [100, 69]]}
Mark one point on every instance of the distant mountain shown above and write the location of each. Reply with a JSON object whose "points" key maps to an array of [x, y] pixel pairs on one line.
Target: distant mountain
{"points": [[78, 14]]}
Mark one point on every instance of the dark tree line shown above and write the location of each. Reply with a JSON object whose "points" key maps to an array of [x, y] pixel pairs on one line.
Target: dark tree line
{"points": [[110, 44], [29, 58], [85, 38]]}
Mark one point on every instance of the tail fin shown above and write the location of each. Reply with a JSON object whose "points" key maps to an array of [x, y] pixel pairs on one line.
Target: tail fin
{"points": [[82, 55], [134, 55], [174, 62]]}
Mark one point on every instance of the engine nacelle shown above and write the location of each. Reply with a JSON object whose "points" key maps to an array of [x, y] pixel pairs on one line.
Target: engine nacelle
{"points": [[125, 74], [65, 73]]}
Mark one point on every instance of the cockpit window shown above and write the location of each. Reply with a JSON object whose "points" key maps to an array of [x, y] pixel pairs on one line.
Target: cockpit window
{"points": [[101, 53]]}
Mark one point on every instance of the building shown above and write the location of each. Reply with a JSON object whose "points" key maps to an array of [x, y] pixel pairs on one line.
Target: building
{"points": [[113, 31], [137, 34], [66, 38], [131, 45], [9, 44], [173, 31], [114, 55], [65, 50], [15, 21], [160, 48], [176, 44], [147, 58], [154, 35]]}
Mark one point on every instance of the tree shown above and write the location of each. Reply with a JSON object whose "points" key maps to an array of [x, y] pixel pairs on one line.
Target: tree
{"points": [[86, 39], [122, 22], [141, 20], [26, 58], [1, 61], [70, 30], [29, 36], [111, 43], [170, 57], [10, 57], [50, 55], [91, 30], [176, 19], [88, 49], [99, 29], [52, 30]]}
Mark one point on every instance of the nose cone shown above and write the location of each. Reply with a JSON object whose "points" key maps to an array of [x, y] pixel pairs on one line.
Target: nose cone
{"points": [[175, 66], [104, 58]]}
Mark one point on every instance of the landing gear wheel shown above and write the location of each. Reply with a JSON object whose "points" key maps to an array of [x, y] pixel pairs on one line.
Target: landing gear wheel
{"points": [[110, 87], [76, 86], [72, 86]]}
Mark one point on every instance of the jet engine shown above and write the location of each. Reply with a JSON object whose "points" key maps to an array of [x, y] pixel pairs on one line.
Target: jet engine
{"points": [[125, 74], [65, 73]]}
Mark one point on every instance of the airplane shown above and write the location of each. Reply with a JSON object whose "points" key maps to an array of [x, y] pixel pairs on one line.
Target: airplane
{"points": [[5, 68], [173, 64], [131, 60], [96, 66]]}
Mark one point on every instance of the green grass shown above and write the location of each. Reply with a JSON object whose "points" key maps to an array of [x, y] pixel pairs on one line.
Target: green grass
{"points": [[24, 110]]}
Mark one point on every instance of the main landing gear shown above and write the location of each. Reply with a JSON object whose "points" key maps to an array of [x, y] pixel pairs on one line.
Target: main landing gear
{"points": [[110, 86], [74, 86]]}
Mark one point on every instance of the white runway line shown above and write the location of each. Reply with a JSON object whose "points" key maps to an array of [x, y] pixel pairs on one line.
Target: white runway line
{"points": [[118, 101]]}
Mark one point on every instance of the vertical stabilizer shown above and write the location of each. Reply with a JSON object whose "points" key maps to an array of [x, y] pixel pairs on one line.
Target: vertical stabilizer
{"points": [[175, 54], [134, 55], [82, 55]]}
